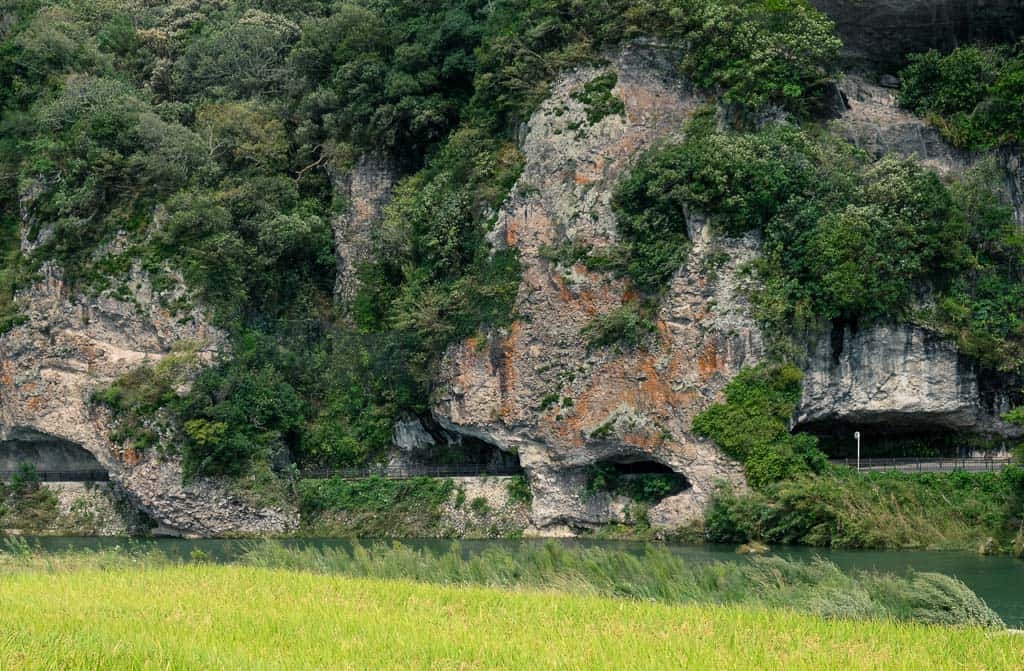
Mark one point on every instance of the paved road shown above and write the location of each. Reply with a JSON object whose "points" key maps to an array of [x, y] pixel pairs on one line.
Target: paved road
{"points": [[927, 465]]}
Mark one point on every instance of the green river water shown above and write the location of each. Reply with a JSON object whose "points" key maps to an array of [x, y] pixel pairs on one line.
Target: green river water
{"points": [[999, 580]]}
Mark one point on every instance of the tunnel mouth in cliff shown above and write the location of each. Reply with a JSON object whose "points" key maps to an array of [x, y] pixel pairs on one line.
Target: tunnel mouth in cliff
{"points": [[642, 480], [902, 437], [54, 458], [468, 453]]}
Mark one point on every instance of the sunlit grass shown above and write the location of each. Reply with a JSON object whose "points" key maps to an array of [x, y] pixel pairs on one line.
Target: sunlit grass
{"points": [[230, 617]]}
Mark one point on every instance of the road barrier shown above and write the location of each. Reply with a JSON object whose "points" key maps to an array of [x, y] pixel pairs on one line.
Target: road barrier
{"points": [[918, 465], [62, 476], [412, 471]]}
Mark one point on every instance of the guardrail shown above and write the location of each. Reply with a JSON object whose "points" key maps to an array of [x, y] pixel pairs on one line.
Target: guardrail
{"points": [[917, 465], [62, 476], [404, 472]]}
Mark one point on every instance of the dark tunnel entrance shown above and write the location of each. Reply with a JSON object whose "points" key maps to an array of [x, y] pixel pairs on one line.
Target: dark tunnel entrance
{"points": [[899, 440], [462, 454], [641, 480], [54, 459]]}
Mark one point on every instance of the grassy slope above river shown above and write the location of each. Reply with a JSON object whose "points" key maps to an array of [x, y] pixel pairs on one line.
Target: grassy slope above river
{"points": [[213, 617]]}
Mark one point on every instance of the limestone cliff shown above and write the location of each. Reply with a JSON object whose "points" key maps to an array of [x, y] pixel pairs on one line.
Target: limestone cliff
{"points": [[366, 189], [72, 345], [879, 33], [501, 390], [538, 391], [902, 374]]}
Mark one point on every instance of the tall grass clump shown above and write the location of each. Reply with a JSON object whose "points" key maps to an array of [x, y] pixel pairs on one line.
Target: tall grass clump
{"points": [[656, 574], [845, 509]]}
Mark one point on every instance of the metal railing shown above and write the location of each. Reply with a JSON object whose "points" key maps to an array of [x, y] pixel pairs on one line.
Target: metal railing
{"points": [[62, 476], [919, 465], [413, 471]]}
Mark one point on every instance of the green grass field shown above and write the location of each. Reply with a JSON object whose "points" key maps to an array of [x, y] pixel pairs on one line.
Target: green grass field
{"points": [[205, 616]]}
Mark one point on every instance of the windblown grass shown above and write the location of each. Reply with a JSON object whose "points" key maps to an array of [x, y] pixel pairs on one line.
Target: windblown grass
{"points": [[845, 509], [817, 587], [205, 616]]}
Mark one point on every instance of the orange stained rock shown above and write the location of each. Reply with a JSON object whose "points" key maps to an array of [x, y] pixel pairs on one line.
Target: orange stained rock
{"points": [[511, 224], [588, 301], [612, 387], [507, 375], [593, 172], [645, 439], [708, 361]]}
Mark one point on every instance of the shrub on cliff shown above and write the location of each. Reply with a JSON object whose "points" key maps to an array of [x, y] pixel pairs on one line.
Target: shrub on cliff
{"points": [[974, 95], [761, 52], [752, 425]]}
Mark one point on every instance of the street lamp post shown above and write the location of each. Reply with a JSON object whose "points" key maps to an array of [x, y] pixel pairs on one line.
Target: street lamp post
{"points": [[856, 434]]}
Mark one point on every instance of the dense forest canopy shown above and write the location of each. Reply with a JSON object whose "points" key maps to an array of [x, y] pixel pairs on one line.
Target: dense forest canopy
{"points": [[203, 138]]}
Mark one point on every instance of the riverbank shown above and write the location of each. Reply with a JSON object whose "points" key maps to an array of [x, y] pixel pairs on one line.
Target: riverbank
{"points": [[221, 617]]}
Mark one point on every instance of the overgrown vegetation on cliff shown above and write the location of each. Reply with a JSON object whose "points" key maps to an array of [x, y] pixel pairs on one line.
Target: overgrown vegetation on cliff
{"points": [[974, 95], [752, 425], [843, 237], [200, 141]]}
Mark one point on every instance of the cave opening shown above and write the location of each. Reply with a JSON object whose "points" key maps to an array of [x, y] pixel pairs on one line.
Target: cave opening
{"points": [[53, 458], [465, 452], [903, 439], [642, 480]]}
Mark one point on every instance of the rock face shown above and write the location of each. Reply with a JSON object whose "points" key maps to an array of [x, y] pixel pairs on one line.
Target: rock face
{"points": [[483, 507], [900, 376], [93, 509], [366, 187], [71, 346], [904, 375], [881, 32], [537, 390], [874, 122]]}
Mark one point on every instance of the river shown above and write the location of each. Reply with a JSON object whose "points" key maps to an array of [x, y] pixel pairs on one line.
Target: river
{"points": [[999, 580]]}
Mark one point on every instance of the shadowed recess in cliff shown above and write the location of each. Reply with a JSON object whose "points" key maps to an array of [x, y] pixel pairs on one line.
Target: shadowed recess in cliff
{"points": [[905, 436], [49, 455], [642, 480], [424, 444]]}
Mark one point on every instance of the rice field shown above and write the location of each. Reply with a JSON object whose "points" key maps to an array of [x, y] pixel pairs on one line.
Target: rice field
{"points": [[205, 616]]}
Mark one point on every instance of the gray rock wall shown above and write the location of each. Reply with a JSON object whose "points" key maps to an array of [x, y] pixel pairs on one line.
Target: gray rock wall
{"points": [[900, 376], [878, 33], [366, 187], [481, 507]]}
